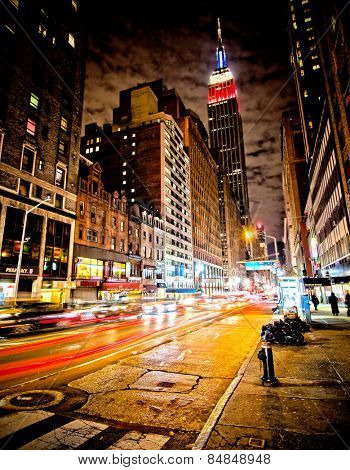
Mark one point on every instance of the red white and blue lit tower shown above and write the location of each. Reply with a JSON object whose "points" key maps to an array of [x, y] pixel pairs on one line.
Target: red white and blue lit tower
{"points": [[226, 130]]}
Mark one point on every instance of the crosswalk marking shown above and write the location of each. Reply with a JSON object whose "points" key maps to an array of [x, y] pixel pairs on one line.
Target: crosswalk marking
{"points": [[70, 435], [50, 431], [135, 440], [14, 422]]}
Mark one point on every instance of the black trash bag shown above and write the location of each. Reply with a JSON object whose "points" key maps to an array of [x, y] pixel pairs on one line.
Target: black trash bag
{"points": [[288, 332]]}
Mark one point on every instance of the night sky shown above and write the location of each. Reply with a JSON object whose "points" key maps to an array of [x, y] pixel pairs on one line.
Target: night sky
{"points": [[176, 42]]}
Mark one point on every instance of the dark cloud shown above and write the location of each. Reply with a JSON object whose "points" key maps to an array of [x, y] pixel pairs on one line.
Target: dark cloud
{"points": [[127, 47]]}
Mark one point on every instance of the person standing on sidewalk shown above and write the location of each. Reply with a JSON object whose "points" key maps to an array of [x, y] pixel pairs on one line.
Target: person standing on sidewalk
{"points": [[347, 303], [333, 300], [315, 300]]}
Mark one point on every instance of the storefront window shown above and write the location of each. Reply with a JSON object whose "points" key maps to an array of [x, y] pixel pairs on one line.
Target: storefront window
{"points": [[119, 270], [56, 249], [12, 238], [88, 268]]}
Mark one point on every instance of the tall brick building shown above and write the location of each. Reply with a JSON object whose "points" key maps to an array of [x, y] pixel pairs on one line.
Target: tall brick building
{"points": [[41, 91]]}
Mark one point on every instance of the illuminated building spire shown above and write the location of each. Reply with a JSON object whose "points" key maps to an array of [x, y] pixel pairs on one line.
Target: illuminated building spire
{"points": [[221, 61], [219, 33]]}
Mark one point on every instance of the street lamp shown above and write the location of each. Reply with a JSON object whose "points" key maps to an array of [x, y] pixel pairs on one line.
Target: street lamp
{"points": [[19, 263], [249, 235]]}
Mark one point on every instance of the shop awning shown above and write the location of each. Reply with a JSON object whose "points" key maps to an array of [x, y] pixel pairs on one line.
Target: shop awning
{"points": [[121, 286]]}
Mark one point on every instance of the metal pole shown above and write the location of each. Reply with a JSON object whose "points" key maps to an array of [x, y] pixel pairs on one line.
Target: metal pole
{"points": [[19, 263]]}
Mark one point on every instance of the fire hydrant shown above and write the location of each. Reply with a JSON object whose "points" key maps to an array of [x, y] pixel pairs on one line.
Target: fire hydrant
{"points": [[266, 357]]}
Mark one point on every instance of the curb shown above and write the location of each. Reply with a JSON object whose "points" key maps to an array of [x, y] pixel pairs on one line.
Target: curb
{"points": [[214, 417]]}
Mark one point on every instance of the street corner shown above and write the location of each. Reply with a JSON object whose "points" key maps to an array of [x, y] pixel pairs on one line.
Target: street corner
{"points": [[165, 409]]}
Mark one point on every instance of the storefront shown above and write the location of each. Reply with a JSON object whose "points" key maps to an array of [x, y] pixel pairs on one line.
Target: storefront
{"points": [[56, 291], [88, 273], [26, 283], [111, 290]]}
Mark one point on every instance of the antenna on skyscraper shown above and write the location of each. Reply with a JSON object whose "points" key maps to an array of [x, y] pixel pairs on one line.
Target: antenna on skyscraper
{"points": [[219, 33]]}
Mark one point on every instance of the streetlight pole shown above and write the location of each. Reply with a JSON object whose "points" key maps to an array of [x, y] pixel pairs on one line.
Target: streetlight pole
{"points": [[19, 263], [276, 252]]}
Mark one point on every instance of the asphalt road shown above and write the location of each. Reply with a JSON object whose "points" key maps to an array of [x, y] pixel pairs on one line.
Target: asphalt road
{"points": [[148, 382], [70, 353]]}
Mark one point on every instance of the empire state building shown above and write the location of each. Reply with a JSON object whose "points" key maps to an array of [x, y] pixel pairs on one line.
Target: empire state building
{"points": [[226, 130]]}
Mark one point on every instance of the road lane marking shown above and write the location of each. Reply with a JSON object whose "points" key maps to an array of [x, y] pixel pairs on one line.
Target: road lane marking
{"points": [[14, 422], [70, 435]]}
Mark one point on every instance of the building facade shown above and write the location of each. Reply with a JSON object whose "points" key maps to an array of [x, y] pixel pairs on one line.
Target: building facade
{"points": [[306, 65], [143, 155], [326, 68], [40, 120], [295, 185], [101, 265], [233, 251], [226, 129], [206, 233]]}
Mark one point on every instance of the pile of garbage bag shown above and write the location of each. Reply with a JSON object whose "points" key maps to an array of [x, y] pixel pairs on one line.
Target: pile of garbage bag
{"points": [[289, 331]]}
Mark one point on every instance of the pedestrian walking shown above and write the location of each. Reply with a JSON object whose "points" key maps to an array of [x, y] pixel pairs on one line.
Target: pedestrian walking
{"points": [[315, 301], [333, 300], [347, 303]]}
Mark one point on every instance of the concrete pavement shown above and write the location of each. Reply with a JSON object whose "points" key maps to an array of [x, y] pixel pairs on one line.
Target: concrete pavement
{"points": [[310, 409]]}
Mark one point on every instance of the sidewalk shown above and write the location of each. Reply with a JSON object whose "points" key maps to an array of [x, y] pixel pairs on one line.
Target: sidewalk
{"points": [[310, 409]]}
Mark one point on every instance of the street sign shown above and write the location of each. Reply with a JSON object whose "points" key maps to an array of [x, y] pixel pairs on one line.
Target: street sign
{"points": [[260, 265]]}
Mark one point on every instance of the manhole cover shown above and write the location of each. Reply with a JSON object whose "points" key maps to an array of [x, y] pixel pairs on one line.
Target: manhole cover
{"points": [[31, 399], [166, 384]]}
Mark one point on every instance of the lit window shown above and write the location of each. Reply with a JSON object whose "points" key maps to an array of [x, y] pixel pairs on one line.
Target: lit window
{"points": [[133, 190], [306, 94], [124, 164], [134, 135], [124, 182], [124, 172], [122, 224], [302, 73], [98, 139], [295, 26], [15, 3], [133, 144], [132, 200], [75, 5], [34, 100], [60, 177], [64, 124], [31, 127], [125, 137], [310, 125], [97, 148], [315, 67], [307, 19], [133, 153], [41, 165], [71, 40]]}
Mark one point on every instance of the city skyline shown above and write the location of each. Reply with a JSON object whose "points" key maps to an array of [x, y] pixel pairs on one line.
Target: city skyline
{"points": [[185, 63]]}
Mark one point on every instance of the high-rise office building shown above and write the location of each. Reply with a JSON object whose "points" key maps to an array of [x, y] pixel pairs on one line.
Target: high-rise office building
{"points": [[226, 129], [41, 91], [306, 65], [295, 185], [143, 156]]}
